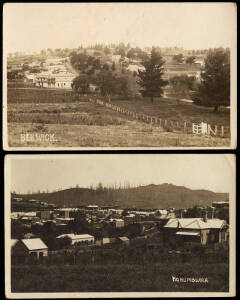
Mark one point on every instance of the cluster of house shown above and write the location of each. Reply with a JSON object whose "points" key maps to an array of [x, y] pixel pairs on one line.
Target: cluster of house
{"points": [[55, 74], [176, 229], [35, 247]]}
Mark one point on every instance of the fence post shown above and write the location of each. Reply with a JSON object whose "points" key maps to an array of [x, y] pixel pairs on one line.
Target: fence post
{"points": [[193, 128], [184, 126], [222, 131]]}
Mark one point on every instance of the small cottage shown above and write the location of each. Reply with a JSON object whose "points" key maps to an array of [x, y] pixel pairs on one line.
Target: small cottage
{"points": [[29, 247]]}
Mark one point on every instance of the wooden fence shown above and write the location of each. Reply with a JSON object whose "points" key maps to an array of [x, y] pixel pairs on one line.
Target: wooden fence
{"points": [[169, 125]]}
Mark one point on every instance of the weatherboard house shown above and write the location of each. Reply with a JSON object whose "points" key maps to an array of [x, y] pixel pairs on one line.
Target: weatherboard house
{"points": [[78, 238], [195, 230], [29, 247]]}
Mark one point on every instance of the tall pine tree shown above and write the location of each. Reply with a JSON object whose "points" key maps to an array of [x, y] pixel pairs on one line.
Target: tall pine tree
{"points": [[150, 79], [214, 90]]}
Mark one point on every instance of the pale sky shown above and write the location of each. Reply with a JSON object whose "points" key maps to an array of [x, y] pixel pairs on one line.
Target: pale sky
{"points": [[207, 171], [36, 26]]}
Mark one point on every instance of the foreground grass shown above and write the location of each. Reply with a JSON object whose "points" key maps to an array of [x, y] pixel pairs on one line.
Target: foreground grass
{"points": [[118, 278], [84, 124], [132, 134]]}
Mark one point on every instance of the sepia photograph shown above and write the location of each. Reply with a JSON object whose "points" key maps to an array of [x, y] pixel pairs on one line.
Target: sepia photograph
{"points": [[120, 225], [119, 75]]}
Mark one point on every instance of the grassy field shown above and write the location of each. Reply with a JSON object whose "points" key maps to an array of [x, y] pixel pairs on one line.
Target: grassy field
{"points": [[83, 124], [178, 111], [119, 278]]}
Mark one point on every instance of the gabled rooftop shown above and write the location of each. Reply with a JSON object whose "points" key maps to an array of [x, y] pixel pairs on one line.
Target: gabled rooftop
{"points": [[34, 244], [194, 223]]}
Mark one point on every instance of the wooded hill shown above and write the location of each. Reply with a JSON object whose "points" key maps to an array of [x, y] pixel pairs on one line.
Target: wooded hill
{"points": [[150, 196]]}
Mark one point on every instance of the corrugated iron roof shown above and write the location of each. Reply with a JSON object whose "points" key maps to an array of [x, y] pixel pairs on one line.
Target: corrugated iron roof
{"points": [[216, 223], [73, 236], [34, 244], [189, 223]]}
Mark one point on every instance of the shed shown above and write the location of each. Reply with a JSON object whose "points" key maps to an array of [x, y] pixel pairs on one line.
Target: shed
{"points": [[33, 247]]}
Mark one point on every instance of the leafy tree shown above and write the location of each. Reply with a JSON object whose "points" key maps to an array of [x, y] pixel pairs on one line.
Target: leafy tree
{"points": [[18, 229], [105, 67], [194, 212], [150, 79], [134, 229], [113, 66], [182, 84], [49, 229], [51, 242], [124, 212], [121, 52], [81, 84], [64, 242], [214, 90], [110, 84], [79, 225], [107, 51], [190, 60], [223, 214], [178, 58], [131, 54]]}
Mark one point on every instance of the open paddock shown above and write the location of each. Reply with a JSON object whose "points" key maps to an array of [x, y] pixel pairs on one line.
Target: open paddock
{"points": [[77, 122]]}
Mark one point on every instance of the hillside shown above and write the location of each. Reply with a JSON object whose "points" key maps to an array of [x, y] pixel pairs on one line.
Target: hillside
{"points": [[150, 196]]}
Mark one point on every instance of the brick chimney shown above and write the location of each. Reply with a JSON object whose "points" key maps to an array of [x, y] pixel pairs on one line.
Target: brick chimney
{"points": [[205, 217]]}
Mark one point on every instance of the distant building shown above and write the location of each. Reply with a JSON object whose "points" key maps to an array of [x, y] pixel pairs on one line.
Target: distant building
{"points": [[161, 213], [124, 240], [171, 215], [135, 68], [63, 212], [55, 61], [92, 207], [79, 238], [30, 247], [17, 199], [199, 61], [49, 80], [115, 58], [105, 240], [64, 81], [44, 214], [63, 220], [220, 204], [118, 223]]}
